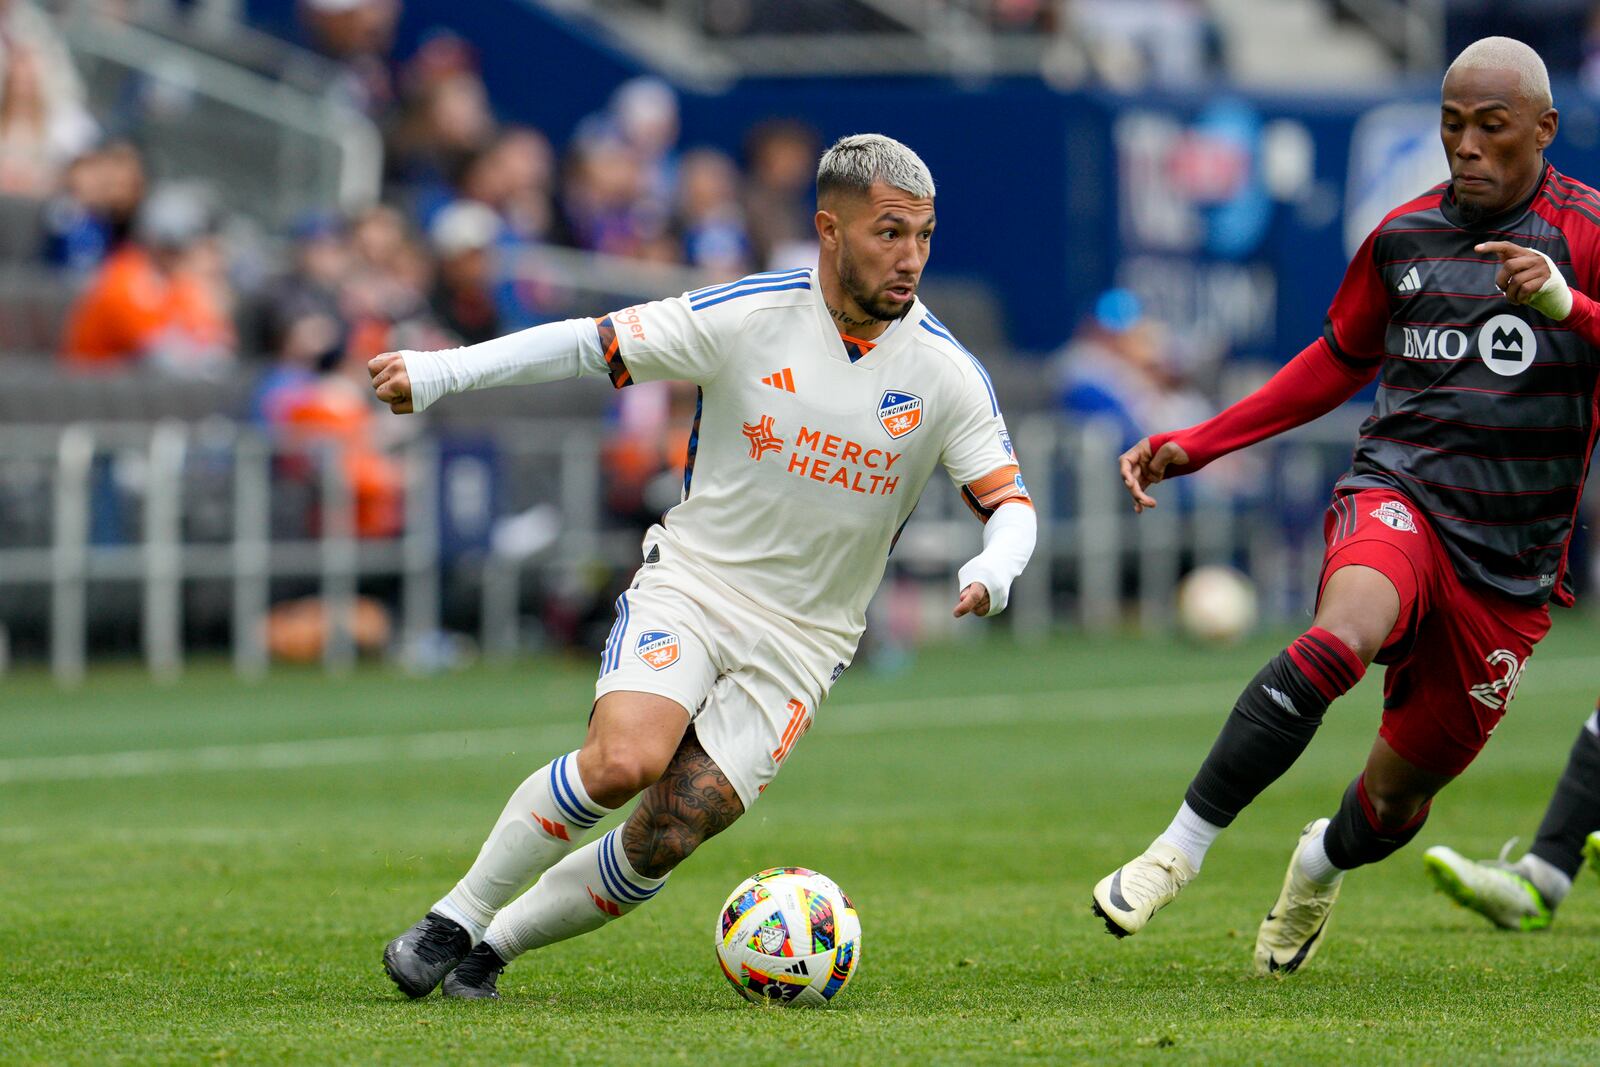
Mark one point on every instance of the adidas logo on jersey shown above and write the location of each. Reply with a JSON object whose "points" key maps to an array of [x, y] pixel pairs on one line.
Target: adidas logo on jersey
{"points": [[1410, 282], [783, 379]]}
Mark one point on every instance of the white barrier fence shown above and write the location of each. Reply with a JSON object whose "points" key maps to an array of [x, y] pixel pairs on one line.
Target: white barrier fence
{"points": [[204, 498]]}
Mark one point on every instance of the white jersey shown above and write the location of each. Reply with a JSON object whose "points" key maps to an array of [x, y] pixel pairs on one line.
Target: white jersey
{"points": [[809, 450]]}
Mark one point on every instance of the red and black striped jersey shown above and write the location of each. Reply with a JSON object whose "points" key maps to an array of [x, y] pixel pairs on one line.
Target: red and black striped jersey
{"points": [[1486, 411]]}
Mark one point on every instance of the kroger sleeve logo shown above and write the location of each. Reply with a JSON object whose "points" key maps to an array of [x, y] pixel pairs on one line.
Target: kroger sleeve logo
{"points": [[899, 413], [658, 649]]}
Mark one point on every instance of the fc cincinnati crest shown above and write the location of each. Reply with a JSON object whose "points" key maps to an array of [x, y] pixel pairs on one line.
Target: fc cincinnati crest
{"points": [[658, 649], [1396, 516], [900, 413]]}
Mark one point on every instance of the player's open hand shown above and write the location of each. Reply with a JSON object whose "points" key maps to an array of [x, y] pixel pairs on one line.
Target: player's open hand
{"points": [[974, 600], [1522, 271], [1141, 469], [391, 382]]}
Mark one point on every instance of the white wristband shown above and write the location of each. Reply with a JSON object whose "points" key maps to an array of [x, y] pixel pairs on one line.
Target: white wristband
{"points": [[1553, 299], [1008, 540]]}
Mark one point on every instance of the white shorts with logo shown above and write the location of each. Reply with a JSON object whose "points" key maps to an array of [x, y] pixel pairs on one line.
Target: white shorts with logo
{"points": [[749, 679]]}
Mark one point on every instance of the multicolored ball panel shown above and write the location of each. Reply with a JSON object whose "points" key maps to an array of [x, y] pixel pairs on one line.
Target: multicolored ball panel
{"points": [[788, 936]]}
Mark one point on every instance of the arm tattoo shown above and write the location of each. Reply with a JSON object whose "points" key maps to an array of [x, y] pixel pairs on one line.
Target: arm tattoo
{"points": [[841, 317], [693, 802]]}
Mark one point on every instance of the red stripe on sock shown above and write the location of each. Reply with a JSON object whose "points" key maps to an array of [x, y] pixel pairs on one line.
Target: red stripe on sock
{"points": [[1327, 662]]}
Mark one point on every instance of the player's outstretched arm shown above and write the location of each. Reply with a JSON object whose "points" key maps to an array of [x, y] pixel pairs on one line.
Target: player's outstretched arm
{"points": [[414, 381], [1309, 386]]}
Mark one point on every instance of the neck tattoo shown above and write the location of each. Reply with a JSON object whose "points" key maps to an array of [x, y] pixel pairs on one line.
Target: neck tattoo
{"points": [[845, 320]]}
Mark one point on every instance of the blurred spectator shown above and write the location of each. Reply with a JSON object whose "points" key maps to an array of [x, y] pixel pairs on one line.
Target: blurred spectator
{"points": [[710, 216], [384, 296], [444, 128], [321, 403], [310, 287], [602, 202], [463, 237], [358, 34], [779, 203], [642, 117], [94, 212], [515, 176], [1118, 369], [162, 298], [646, 450], [43, 120]]}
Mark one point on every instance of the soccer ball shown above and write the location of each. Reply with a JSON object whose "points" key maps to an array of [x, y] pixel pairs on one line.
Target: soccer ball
{"points": [[1216, 604], [788, 936]]}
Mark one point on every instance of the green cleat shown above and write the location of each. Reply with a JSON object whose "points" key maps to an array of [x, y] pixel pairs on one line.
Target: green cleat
{"points": [[1591, 850], [1492, 888]]}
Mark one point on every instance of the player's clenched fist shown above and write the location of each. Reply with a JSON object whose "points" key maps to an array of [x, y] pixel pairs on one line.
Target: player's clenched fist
{"points": [[391, 382], [1142, 468]]}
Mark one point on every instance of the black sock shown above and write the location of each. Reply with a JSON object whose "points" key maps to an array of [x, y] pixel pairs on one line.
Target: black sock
{"points": [[1574, 811], [1356, 837], [1271, 724]]}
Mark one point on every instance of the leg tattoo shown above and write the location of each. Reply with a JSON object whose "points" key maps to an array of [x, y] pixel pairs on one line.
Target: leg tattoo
{"points": [[693, 802]]}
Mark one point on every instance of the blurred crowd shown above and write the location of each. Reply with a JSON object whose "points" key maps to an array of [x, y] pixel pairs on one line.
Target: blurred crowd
{"points": [[465, 197], [165, 283]]}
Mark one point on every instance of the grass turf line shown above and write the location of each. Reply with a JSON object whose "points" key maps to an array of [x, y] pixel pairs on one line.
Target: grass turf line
{"points": [[238, 916]]}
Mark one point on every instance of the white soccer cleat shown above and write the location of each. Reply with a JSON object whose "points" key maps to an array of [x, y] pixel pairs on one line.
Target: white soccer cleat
{"points": [[1292, 931], [1128, 896], [1492, 888]]}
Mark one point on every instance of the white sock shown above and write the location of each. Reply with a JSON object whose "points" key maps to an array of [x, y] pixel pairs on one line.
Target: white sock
{"points": [[1191, 835], [1314, 862], [581, 893], [545, 819], [1551, 881]]}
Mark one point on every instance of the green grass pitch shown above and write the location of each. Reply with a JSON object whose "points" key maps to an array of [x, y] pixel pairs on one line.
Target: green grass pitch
{"points": [[209, 871]]}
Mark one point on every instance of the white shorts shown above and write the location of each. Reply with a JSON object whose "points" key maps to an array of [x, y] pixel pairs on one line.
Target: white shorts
{"points": [[749, 679]]}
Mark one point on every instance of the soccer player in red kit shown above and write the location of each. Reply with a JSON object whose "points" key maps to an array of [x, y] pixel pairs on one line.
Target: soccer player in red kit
{"points": [[1448, 536]]}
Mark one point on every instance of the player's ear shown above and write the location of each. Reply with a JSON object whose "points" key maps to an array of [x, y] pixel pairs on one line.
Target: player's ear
{"points": [[827, 228], [1545, 128]]}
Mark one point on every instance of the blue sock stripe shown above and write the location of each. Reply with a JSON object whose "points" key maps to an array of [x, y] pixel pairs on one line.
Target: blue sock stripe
{"points": [[609, 879], [752, 279], [567, 800], [591, 809], [619, 884]]}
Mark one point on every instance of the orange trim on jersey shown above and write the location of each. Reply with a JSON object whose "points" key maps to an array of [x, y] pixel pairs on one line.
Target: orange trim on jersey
{"points": [[865, 346]]}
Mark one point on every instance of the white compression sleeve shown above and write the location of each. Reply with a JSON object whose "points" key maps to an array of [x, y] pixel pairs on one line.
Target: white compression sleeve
{"points": [[548, 353], [1008, 539]]}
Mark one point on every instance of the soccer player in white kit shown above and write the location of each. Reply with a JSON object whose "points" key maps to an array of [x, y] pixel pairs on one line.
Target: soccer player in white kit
{"points": [[826, 399]]}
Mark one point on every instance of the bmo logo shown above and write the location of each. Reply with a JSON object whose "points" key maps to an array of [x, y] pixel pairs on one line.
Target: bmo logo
{"points": [[1505, 343]]}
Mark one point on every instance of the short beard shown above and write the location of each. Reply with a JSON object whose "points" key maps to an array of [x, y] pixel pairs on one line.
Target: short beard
{"points": [[1471, 211], [855, 289]]}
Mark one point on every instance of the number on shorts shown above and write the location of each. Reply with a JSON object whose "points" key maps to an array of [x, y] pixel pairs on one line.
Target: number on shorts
{"points": [[1498, 693]]}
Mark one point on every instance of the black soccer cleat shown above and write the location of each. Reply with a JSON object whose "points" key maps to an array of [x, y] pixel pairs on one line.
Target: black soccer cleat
{"points": [[476, 976], [419, 958]]}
